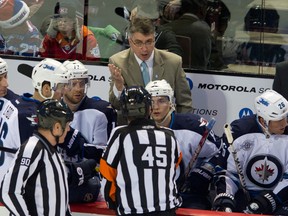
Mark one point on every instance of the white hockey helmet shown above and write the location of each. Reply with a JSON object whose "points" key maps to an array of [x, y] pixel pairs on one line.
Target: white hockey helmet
{"points": [[49, 70], [3, 66], [77, 70], [160, 88], [271, 106], [13, 13]]}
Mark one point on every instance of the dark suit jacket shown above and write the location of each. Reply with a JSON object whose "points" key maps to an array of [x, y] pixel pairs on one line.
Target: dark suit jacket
{"points": [[166, 66], [200, 34], [280, 83]]}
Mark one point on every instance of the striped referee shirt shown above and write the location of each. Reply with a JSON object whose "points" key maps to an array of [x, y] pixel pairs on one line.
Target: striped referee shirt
{"points": [[138, 167], [36, 183]]}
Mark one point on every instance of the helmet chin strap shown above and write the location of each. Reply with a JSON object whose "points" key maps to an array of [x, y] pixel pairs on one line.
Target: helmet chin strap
{"points": [[57, 137], [52, 94], [264, 128], [162, 123]]}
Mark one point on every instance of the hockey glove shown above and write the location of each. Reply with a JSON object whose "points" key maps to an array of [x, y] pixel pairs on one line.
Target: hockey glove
{"points": [[224, 202], [198, 182], [81, 172], [265, 203]]}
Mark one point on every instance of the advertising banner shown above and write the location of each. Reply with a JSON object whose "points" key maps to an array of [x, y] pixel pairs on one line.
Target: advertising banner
{"points": [[225, 97]]}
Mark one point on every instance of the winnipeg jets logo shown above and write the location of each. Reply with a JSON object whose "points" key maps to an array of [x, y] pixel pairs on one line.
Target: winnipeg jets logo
{"points": [[264, 170], [33, 119]]}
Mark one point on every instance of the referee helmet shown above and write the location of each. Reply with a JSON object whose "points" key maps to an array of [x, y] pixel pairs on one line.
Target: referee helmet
{"points": [[135, 102], [51, 111]]}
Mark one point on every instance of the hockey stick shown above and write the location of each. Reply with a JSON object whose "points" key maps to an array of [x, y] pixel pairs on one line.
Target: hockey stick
{"points": [[230, 139], [9, 150], [199, 147], [25, 69]]}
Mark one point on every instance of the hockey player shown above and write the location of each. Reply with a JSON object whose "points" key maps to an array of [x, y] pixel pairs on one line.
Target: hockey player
{"points": [[10, 140], [93, 118], [49, 78], [260, 143], [140, 161], [89, 118], [188, 129], [26, 188]]}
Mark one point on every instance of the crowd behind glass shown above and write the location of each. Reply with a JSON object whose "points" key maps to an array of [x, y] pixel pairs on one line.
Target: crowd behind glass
{"points": [[245, 34]]}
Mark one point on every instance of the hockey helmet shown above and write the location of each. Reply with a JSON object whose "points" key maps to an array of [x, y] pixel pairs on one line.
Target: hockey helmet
{"points": [[135, 101], [51, 111], [13, 13], [3, 66], [51, 71], [160, 88], [271, 106], [77, 70]]}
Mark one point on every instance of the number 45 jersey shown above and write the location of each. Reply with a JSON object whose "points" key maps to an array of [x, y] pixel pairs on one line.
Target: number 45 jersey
{"points": [[139, 168]]}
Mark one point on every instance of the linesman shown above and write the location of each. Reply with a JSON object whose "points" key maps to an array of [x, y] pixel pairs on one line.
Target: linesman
{"points": [[140, 161], [36, 183]]}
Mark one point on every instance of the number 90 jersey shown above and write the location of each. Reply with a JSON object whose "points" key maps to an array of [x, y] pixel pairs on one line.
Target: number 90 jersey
{"points": [[139, 168]]}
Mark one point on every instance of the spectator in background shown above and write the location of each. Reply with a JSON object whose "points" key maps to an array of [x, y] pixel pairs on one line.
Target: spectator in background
{"points": [[169, 10], [217, 17], [18, 35], [66, 38], [281, 79], [142, 62], [191, 24], [257, 20]]}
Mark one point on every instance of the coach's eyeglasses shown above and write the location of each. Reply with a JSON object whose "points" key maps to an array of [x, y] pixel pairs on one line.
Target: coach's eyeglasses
{"points": [[141, 44]]}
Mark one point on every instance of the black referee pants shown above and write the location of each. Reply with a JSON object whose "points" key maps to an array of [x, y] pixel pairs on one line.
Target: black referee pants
{"points": [[171, 212]]}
